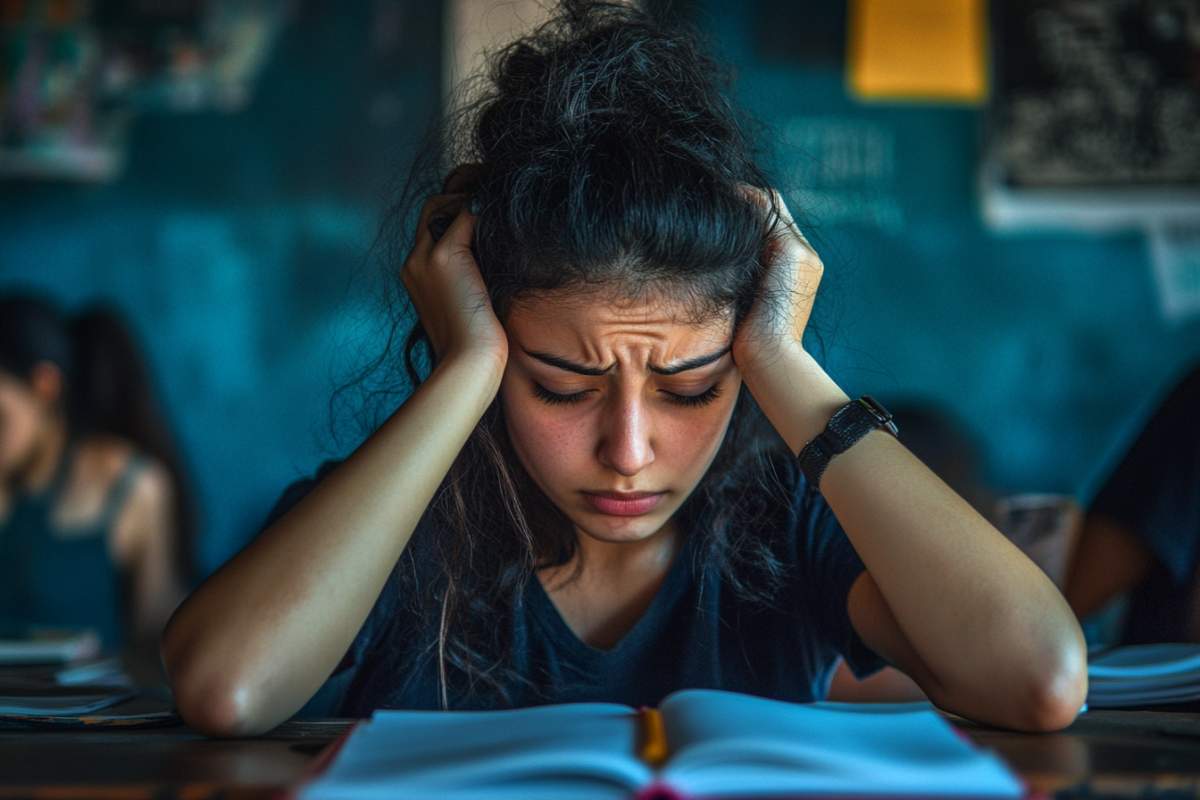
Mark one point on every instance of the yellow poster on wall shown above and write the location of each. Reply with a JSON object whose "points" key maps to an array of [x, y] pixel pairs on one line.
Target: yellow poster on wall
{"points": [[932, 50]]}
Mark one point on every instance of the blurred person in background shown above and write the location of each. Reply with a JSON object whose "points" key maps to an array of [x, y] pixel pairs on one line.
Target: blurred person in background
{"points": [[1142, 528], [95, 519]]}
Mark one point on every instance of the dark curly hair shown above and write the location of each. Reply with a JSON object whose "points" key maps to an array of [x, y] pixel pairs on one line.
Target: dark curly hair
{"points": [[608, 157]]}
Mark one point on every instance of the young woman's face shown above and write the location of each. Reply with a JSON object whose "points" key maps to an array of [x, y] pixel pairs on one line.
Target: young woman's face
{"points": [[22, 414], [629, 429]]}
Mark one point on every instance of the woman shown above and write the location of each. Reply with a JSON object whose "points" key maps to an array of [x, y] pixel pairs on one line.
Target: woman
{"points": [[94, 522], [615, 311]]}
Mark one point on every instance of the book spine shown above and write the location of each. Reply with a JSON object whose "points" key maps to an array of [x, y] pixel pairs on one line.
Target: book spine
{"points": [[659, 791]]}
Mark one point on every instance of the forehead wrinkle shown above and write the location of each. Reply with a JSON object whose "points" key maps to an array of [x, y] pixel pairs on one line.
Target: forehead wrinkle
{"points": [[642, 332]]}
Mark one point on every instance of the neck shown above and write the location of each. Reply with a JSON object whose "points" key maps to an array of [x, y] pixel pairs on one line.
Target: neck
{"points": [[652, 554], [40, 467]]}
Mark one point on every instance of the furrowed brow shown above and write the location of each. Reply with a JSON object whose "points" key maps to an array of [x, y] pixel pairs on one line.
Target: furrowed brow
{"points": [[583, 369], [691, 363]]}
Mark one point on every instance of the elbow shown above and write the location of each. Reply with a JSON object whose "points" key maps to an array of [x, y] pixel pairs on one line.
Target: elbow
{"points": [[209, 696], [1056, 693], [217, 708]]}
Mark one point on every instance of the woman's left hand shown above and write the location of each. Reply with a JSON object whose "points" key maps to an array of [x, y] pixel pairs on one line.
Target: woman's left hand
{"points": [[780, 313]]}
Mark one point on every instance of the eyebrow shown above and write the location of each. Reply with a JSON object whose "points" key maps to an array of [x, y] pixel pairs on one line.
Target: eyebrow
{"points": [[670, 369]]}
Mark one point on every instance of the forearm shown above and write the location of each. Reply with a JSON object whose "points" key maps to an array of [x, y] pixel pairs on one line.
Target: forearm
{"points": [[258, 638], [987, 623]]}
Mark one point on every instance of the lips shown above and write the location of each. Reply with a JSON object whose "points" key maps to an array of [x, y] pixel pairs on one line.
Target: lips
{"points": [[624, 504]]}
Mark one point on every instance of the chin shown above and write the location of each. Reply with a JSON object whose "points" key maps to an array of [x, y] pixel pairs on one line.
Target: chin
{"points": [[619, 529]]}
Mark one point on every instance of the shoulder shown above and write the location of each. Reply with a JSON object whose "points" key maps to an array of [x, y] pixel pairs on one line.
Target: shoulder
{"points": [[105, 460], [134, 487], [108, 463], [100, 459]]}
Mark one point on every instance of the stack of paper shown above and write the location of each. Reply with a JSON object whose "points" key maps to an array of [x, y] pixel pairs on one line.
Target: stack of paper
{"points": [[20, 644], [1144, 674], [67, 701], [55, 672]]}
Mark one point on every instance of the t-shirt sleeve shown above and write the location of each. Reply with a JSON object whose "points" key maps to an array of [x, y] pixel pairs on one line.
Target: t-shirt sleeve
{"points": [[830, 567], [1153, 489], [384, 606]]}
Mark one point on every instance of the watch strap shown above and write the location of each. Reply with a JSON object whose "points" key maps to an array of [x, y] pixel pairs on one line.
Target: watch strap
{"points": [[849, 424]]}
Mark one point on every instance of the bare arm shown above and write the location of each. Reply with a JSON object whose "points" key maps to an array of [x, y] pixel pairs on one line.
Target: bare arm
{"points": [[145, 539], [258, 638], [946, 596], [889, 685]]}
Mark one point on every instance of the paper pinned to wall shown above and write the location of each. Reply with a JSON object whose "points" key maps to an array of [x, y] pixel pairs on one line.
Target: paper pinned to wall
{"points": [[1175, 257], [918, 50]]}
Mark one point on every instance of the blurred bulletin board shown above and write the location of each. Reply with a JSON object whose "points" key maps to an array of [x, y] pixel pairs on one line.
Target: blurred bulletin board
{"points": [[1051, 343]]}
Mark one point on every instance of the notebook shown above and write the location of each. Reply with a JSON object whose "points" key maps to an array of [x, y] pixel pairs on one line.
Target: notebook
{"points": [[698, 743], [1144, 674], [31, 644], [60, 700], [102, 670]]}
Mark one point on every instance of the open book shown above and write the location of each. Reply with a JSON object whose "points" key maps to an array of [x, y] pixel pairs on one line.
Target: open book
{"points": [[699, 743]]}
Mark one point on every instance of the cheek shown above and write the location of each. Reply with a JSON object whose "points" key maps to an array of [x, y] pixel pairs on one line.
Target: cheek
{"points": [[692, 436], [549, 443]]}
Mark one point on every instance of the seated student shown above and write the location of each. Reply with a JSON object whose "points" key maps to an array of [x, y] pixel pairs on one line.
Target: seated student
{"points": [[595, 494], [1141, 532], [93, 517]]}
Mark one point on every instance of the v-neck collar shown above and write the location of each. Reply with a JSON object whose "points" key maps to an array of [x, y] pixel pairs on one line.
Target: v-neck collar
{"points": [[647, 627]]}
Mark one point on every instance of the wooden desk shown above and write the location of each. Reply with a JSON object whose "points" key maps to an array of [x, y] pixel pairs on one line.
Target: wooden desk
{"points": [[1111, 753]]}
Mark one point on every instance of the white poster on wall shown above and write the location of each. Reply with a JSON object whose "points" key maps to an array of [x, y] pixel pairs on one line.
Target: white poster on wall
{"points": [[1175, 259]]}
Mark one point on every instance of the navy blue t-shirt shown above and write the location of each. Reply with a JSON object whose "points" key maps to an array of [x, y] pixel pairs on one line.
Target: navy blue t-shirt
{"points": [[1154, 492], [695, 633]]}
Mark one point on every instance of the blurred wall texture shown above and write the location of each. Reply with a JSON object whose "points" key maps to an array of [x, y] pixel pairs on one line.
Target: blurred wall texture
{"points": [[237, 242]]}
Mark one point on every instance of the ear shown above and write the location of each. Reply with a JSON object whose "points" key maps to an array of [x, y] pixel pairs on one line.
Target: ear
{"points": [[46, 381]]}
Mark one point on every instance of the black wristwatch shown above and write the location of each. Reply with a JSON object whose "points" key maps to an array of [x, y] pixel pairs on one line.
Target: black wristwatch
{"points": [[848, 424]]}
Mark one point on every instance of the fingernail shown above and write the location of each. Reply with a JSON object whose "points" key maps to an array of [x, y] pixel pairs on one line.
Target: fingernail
{"points": [[473, 205]]}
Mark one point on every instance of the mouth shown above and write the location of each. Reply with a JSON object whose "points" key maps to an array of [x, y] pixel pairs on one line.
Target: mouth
{"points": [[624, 504]]}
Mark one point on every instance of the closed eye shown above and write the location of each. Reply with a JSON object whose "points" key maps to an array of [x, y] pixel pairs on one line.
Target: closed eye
{"points": [[702, 398], [554, 398], [688, 400]]}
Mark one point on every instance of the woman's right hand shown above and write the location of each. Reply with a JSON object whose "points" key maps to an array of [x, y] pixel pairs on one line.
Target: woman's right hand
{"points": [[444, 282]]}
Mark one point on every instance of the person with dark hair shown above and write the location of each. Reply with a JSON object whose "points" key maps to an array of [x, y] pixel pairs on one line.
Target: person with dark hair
{"points": [[610, 484], [95, 521], [1141, 532]]}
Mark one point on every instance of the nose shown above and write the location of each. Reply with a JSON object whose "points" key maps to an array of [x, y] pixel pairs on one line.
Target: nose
{"points": [[625, 444]]}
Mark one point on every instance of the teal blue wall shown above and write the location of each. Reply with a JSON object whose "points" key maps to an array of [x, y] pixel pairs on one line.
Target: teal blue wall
{"points": [[1049, 345], [236, 243]]}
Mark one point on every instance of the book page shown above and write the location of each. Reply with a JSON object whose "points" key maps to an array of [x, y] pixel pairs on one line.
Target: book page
{"points": [[727, 743], [560, 751]]}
